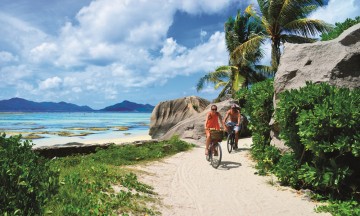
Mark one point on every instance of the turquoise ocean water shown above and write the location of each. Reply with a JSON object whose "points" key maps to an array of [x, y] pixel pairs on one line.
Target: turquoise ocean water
{"points": [[49, 124]]}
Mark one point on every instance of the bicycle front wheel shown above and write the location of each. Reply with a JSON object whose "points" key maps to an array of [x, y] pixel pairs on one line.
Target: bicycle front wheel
{"points": [[230, 142], [216, 155]]}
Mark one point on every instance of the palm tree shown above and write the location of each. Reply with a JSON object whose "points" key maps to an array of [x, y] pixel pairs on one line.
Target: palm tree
{"points": [[226, 77], [242, 69], [285, 21], [244, 51]]}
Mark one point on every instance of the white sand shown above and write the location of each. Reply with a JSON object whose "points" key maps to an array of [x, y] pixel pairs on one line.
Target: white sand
{"points": [[125, 139], [188, 185], [88, 140]]}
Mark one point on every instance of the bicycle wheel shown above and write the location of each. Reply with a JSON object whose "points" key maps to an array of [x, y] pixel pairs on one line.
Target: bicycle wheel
{"points": [[216, 155], [230, 142]]}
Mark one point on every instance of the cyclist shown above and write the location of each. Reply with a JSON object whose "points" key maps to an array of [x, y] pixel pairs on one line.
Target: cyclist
{"points": [[212, 121], [234, 116]]}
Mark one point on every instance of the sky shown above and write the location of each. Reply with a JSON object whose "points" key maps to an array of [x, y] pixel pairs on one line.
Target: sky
{"points": [[101, 52]]}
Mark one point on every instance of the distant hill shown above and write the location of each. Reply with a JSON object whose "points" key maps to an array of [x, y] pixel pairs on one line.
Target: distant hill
{"points": [[127, 106], [22, 105]]}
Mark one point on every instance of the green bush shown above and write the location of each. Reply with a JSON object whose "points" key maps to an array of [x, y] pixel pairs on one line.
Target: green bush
{"points": [[341, 208], [266, 158], [26, 180], [286, 170], [320, 123], [259, 108], [340, 28]]}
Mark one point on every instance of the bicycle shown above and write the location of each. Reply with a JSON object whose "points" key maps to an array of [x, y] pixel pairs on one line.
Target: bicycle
{"points": [[214, 151], [231, 136]]}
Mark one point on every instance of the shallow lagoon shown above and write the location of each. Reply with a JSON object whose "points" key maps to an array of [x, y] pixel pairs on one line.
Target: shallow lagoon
{"points": [[65, 127]]}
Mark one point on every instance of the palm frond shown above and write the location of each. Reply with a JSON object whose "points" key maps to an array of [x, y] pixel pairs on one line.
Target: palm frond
{"points": [[238, 82], [246, 49], [297, 39], [265, 70], [307, 27]]}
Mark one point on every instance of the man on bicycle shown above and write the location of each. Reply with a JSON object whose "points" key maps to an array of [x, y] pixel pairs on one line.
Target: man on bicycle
{"points": [[234, 116], [212, 122]]}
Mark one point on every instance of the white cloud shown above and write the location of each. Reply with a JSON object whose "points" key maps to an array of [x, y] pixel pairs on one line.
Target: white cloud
{"points": [[45, 52], [50, 83], [204, 57], [337, 11], [6, 57], [113, 46]]}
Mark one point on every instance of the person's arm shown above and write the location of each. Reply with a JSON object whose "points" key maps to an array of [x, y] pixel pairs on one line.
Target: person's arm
{"points": [[226, 116], [239, 119], [207, 119], [222, 122]]}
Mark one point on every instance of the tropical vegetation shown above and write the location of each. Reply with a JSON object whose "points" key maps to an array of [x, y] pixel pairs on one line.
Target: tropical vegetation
{"points": [[280, 21], [243, 68], [94, 184], [319, 124], [286, 21], [340, 28]]}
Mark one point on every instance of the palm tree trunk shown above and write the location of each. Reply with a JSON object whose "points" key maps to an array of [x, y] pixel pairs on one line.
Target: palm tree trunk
{"points": [[275, 54]]}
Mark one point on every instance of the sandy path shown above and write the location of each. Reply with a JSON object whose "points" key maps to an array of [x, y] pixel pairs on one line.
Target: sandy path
{"points": [[188, 185]]}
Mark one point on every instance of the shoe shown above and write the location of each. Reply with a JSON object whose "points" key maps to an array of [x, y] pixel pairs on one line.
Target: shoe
{"points": [[206, 152], [235, 147]]}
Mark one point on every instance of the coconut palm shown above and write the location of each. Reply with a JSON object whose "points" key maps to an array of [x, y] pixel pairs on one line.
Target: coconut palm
{"points": [[244, 51], [226, 77], [285, 21], [242, 69]]}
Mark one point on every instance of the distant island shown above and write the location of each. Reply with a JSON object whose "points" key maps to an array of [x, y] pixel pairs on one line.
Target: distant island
{"points": [[22, 105]]}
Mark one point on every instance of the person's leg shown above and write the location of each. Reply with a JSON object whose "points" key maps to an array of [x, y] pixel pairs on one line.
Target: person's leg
{"points": [[207, 141], [236, 136]]}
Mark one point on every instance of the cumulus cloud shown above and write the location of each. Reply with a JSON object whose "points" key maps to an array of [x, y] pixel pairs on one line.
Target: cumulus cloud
{"points": [[337, 11], [7, 57], [50, 83], [109, 47]]}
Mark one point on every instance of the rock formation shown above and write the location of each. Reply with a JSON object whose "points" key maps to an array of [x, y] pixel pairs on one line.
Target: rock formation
{"points": [[193, 127], [336, 62], [168, 113]]}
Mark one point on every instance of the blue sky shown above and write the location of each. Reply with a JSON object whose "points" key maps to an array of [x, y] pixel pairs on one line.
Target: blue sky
{"points": [[101, 52]]}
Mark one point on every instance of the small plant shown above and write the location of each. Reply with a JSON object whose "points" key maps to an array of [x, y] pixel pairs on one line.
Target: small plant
{"points": [[27, 182], [341, 208], [340, 28], [87, 182]]}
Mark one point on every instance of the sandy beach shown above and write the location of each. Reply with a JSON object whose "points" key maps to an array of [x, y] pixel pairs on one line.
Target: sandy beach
{"points": [[187, 185], [111, 139]]}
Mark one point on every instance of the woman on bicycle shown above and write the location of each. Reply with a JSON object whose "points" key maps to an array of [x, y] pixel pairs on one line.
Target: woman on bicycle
{"points": [[212, 121]]}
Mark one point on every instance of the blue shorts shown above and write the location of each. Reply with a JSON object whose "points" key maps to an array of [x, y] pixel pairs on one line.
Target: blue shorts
{"points": [[233, 124]]}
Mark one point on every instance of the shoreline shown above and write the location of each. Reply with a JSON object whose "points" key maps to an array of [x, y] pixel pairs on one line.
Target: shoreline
{"points": [[112, 137]]}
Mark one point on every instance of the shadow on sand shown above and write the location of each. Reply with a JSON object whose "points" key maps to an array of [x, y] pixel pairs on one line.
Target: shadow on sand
{"points": [[229, 165]]}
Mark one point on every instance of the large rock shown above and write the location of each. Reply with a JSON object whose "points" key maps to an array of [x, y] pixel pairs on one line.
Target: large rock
{"points": [[336, 62], [168, 113], [193, 127]]}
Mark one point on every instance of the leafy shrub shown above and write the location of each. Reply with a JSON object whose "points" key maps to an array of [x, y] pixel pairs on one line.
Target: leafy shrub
{"points": [[286, 170], [341, 208], [26, 180], [259, 108], [340, 28], [266, 158], [320, 123]]}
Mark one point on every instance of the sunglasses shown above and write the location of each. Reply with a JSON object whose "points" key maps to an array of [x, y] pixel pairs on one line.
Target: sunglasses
{"points": [[214, 109]]}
